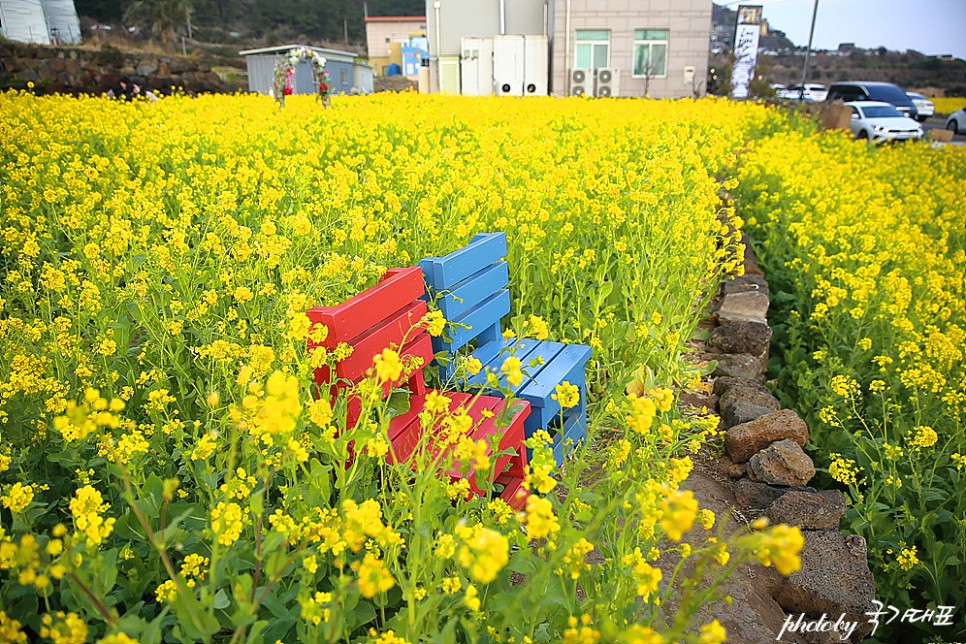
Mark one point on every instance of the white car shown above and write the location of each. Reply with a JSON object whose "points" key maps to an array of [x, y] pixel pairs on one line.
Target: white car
{"points": [[924, 106], [878, 121], [957, 121], [813, 92]]}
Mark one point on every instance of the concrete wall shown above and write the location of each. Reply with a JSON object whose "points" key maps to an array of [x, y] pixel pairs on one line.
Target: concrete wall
{"points": [[688, 21], [480, 18]]}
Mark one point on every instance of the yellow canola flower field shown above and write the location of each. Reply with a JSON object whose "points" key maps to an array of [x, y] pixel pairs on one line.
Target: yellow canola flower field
{"points": [[869, 245], [164, 467]]}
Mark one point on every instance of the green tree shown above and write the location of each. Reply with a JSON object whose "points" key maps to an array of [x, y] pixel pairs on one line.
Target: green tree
{"points": [[163, 17]]}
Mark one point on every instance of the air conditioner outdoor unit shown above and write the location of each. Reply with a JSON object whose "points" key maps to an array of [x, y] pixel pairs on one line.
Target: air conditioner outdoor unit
{"points": [[607, 83], [581, 82], [508, 65], [535, 66]]}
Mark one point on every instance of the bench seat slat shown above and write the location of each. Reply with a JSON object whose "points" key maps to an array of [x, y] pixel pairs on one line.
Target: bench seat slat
{"points": [[568, 365]]}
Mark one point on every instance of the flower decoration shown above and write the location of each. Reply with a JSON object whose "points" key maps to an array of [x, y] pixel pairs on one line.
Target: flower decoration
{"points": [[284, 83]]}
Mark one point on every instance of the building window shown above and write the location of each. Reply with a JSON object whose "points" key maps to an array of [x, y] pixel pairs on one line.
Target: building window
{"points": [[592, 48], [650, 53]]}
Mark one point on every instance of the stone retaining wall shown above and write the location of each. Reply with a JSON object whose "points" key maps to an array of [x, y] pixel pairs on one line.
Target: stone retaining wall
{"points": [[76, 70], [770, 472]]}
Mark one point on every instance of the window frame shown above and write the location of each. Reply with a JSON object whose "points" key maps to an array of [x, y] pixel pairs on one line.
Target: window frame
{"points": [[592, 43], [649, 43]]}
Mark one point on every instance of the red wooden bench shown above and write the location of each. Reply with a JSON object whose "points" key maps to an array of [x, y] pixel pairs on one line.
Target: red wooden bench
{"points": [[387, 315]]}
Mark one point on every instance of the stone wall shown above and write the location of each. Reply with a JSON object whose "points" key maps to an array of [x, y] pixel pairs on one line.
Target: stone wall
{"points": [[76, 70], [769, 474]]}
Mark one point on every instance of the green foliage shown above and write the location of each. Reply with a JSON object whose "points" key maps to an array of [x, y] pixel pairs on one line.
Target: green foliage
{"points": [[864, 252]]}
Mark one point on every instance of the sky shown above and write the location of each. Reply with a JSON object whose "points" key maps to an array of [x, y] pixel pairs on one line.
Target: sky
{"points": [[929, 26]]}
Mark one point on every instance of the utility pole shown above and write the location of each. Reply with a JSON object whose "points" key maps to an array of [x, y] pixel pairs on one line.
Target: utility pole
{"points": [[808, 52]]}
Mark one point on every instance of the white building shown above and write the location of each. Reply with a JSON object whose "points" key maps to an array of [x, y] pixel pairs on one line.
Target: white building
{"points": [[596, 47]]}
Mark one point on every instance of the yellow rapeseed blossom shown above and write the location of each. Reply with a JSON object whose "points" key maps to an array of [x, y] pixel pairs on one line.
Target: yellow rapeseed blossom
{"points": [[540, 521], [18, 497], [227, 522], [10, 630], [641, 413], [907, 558], [482, 552], [64, 628], [679, 510], [712, 633], [537, 327], [922, 436], [117, 638], [511, 368], [87, 508], [434, 322], [842, 469], [388, 366], [374, 577], [566, 394]]}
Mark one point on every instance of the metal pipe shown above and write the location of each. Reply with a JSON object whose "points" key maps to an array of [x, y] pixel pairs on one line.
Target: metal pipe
{"points": [[808, 51], [439, 70], [502, 17], [566, 66]]}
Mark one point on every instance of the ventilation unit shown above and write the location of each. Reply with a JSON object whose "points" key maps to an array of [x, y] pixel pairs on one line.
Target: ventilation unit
{"points": [[508, 65], [581, 82], [535, 66], [607, 83]]}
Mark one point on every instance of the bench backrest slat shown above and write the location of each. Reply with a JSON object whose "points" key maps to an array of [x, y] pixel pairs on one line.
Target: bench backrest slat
{"points": [[470, 286], [383, 316], [484, 249], [473, 290], [398, 289], [484, 316]]}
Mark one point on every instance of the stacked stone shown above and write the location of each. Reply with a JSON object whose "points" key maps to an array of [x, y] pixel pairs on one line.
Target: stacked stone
{"points": [[75, 70], [764, 451]]}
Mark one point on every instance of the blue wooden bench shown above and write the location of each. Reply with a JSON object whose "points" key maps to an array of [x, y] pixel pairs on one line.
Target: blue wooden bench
{"points": [[470, 287]]}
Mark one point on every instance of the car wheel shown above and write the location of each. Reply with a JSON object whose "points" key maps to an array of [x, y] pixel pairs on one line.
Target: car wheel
{"points": [[921, 119], [953, 125], [862, 135]]}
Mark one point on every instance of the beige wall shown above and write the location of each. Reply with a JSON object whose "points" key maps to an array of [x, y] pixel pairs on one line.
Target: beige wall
{"points": [[377, 32], [689, 23], [480, 18]]}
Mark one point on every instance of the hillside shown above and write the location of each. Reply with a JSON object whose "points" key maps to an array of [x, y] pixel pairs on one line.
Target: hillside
{"points": [[232, 20], [781, 61]]}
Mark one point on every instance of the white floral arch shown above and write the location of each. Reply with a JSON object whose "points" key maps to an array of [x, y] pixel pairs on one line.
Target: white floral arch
{"points": [[283, 84]]}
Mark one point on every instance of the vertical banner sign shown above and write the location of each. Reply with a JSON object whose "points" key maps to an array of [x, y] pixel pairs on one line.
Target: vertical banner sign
{"points": [[746, 49]]}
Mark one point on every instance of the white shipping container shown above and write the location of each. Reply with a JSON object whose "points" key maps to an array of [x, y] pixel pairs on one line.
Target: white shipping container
{"points": [[23, 21], [476, 67], [509, 55], [62, 22]]}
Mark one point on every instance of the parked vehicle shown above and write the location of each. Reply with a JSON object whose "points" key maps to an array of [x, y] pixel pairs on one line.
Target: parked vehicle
{"points": [[924, 107], [813, 92], [850, 91], [881, 121], [957, 121]]}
